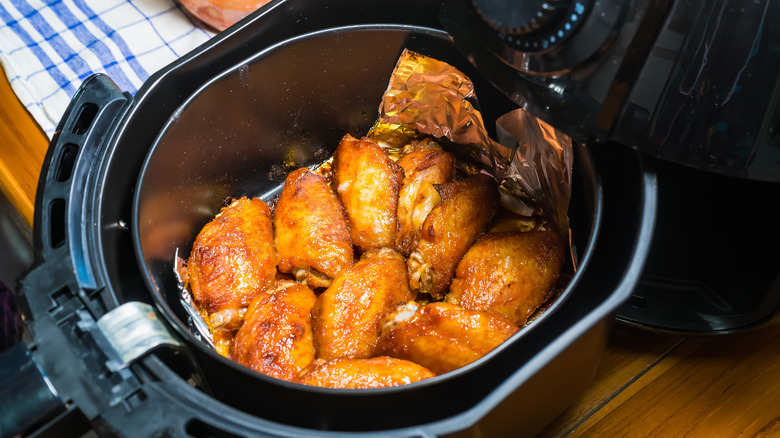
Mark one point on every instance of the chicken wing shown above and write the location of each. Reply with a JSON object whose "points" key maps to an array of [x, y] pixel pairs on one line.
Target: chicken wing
{"points": [[367, 182], [442, 336], [466, 208], [512, 273], [425, 165], [346, 316], [232, 260], [311, 231], [276, 337], [377, 372]]}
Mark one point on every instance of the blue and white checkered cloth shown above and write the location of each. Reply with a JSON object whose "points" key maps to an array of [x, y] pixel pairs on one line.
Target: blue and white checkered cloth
{"points": [[48, 47]]}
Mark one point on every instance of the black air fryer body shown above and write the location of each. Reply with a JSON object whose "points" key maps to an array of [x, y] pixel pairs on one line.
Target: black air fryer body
{"points": [[694, 84], [111, 351]]}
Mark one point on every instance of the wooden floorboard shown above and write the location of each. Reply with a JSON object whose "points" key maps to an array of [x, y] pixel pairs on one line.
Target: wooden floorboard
{"points": [[722, 386], [23, 147]]}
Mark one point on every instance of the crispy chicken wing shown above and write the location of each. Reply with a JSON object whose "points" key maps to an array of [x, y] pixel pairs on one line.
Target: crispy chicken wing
{"points": [[466, 208], [232, 260], [276, 337], [425, 165], [367, 182], [442, 336], [377, 372], [346, 316], [311, 231], [512, 273]]}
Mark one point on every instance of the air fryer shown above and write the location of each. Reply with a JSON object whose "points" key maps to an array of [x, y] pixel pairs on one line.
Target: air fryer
{"points": [[692, 84], [95, 276]]}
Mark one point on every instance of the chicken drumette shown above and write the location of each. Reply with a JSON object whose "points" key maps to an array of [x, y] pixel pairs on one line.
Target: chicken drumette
{"points": [[425, 165], [346, 316], [232, 260], [367, 182], [512, 273], [276, 337], [466, 208], [442, 336], [377, 372], [311, 231]]}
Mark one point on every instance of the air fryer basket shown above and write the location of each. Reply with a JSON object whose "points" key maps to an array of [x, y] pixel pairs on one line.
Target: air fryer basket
{"points": [[85, 266], [290, 102], [293, 102]]}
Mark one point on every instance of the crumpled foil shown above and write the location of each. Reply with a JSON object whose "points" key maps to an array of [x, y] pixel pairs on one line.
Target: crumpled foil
{"points": [[531, 159]]}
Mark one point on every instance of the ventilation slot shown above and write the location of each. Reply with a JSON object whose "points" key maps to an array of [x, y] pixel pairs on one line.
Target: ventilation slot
{"points": [[67, 160], [87, 114], [57, 223]]}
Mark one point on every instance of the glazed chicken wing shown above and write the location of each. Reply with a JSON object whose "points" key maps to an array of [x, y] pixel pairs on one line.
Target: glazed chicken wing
{"points": [[276, 337], [512, 273], [466, 208], [442, 336], [377, 372], [232, 260], [311, 231], [346, 316], [425, 165], [367, 182]]}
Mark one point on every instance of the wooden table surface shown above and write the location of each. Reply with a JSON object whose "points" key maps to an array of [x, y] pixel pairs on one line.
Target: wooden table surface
{"points": [[23, 147], [649, 384]]}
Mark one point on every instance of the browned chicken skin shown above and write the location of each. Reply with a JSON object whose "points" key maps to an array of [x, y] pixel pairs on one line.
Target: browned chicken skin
{"points": [[512, 273], [466, 208], [232, 260], [311, 231], [442, 336], [367, 182], [365, 330], [425, 165], [377, 372], [346, 316], [276, 337]]}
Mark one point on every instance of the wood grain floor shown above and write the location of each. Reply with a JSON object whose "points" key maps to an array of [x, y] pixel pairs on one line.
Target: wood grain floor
{"points": [[660, 385]]}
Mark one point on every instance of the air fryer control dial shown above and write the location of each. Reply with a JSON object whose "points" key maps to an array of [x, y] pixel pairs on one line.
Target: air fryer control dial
{"points": [[538, 37], [532, 25], [521, 17]]}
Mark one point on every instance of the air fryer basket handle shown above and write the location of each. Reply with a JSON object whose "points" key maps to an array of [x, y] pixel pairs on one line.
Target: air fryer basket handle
{"points": [[62, 221], [62, 289]]}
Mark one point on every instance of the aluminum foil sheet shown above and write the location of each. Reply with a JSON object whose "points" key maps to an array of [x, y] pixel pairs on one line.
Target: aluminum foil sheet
{"points": [[531, 159]]}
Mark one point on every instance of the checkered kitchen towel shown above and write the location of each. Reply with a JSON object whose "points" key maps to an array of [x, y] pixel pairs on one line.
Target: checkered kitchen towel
{"points": [[48, 47]]}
